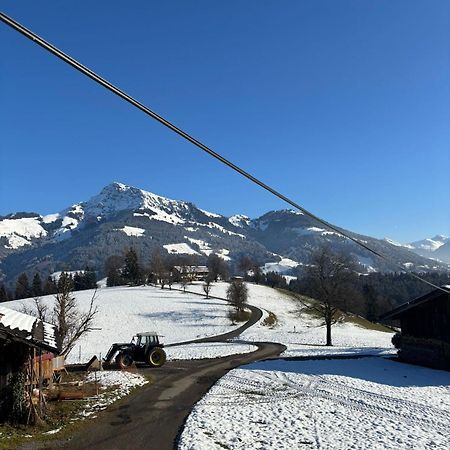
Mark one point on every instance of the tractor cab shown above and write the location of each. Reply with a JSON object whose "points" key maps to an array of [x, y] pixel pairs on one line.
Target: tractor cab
{"points": [[146, 339], [144, 347]]}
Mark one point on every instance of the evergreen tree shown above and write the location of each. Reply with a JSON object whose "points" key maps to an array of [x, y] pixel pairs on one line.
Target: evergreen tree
{"points": [[36, 285], [90, 278], [50, 287], [22, 287], [113, 269], [3, 294], [78, 281], [65, 282], [132, 272]]}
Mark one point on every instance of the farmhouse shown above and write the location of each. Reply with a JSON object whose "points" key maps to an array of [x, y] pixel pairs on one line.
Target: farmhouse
{"points": [[193, 273], [425, 329], [26, 345]]}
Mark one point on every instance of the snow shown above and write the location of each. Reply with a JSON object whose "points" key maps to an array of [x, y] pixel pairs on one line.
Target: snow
{"points": [[210, 214], [282, 266], [20, 232], [132, 231], [223, 253], [222, 229], [207, 350], [368, 403], [125, 311], [50, 218], [56, 430], [367, 263], [13, 319], [289, 278], [123, 379], [56, 275], [430, 244], [398, 244], [181, 248], [312, 230], [16, 320], [202, 245], [302, 334], [239, 220]]}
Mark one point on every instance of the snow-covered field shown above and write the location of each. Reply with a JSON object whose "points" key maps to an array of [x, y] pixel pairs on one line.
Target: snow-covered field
{"points": [[124, 311], [368, 403], [207, 350], [301, 333]]}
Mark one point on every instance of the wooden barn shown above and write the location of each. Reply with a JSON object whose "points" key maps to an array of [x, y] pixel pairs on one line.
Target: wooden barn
{"points": [[425, 329], [27, 347]]}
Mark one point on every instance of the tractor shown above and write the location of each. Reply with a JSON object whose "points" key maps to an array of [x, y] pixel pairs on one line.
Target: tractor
{"points": [[144, 347]]}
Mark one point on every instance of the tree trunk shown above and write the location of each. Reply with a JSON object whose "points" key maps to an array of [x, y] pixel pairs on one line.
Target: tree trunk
{"points": [[329, 343]]}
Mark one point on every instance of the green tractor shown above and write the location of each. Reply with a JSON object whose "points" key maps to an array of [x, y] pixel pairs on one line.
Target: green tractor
{"points": [[143, 348]]}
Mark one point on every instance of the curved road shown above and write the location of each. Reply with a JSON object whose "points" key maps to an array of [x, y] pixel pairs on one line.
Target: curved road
{"points": [[154, 416]]}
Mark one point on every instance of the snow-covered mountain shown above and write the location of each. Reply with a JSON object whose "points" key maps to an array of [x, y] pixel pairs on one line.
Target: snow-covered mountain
{"points": [[121, 216], [437, 247]]}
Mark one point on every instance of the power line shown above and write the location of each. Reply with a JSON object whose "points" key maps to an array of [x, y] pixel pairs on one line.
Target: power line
{"points": [[106, 84]]}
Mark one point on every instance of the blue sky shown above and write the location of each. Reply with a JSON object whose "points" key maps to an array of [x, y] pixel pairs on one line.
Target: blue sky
{"points": [[342, 105]]}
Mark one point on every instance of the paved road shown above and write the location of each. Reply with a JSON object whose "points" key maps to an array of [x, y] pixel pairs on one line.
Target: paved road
{"points": [[154, 418]]}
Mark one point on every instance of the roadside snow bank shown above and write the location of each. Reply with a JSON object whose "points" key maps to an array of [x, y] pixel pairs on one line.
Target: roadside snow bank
{"points": [[331, 404], [123, 381]]}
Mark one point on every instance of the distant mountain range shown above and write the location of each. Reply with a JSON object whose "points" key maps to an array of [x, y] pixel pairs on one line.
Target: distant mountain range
{"points": [[437, 247], [122, 216]]}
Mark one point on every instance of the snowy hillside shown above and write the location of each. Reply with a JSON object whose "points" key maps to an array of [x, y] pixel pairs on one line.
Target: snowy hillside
{"points": [[299, 331], [125, 311]]}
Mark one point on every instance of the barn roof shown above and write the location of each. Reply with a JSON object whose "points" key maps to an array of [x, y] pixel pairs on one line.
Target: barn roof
{"points": [[28, 329], [397, 312]]}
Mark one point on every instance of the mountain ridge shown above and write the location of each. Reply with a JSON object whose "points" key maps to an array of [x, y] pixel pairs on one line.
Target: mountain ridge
{"points": [[120, 216]]}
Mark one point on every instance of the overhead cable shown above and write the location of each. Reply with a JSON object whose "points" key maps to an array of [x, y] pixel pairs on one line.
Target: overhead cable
{"points": [[106, 84]]}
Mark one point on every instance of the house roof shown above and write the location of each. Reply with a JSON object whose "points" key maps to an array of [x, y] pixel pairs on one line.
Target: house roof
{"points": [[192, 269], [28, 329], [400, 310]]}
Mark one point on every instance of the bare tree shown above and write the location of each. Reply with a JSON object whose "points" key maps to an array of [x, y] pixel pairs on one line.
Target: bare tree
{"points": [[39, 309], [185, 278], [71, 322], [327, 280], [158, 269], [207, 285], [217, 267], [246, 264]]}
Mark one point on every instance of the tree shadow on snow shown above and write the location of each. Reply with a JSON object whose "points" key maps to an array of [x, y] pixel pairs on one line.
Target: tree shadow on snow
{"points": [[374, 369]]}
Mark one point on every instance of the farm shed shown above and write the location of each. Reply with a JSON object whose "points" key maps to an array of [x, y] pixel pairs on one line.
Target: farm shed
{"points": [[425, 329], [27, 344]]}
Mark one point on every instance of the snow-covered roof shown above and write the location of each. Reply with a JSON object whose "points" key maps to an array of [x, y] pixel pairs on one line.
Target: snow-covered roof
{"points": [[192, 269], [29, 328]]}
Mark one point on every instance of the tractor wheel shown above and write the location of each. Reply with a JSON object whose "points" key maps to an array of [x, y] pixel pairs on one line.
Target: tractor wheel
{"points": [[124, 360], [156, 357]]}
